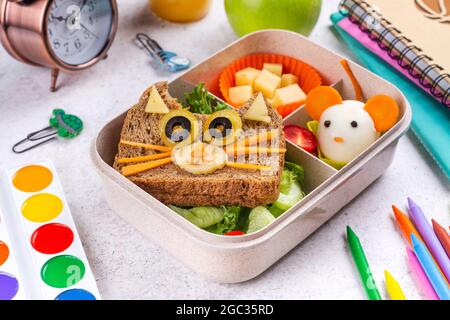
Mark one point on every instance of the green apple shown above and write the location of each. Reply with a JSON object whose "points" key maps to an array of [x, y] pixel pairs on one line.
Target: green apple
{"points": [[246, 16]]}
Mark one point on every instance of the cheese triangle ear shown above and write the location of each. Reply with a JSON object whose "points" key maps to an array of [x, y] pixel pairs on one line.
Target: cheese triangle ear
{"points": [[155, 103], [258, 110], [383, 110], [319, 99]]}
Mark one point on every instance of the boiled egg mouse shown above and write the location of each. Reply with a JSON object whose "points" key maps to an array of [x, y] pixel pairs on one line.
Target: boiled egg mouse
{"points": [[345, 130], [348, 127]]}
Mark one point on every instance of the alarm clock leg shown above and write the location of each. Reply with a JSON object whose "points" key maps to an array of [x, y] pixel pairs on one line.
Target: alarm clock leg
{"points": [[54, 79]]}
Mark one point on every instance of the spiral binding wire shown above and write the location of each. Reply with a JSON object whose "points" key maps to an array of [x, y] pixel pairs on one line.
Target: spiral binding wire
{"points": [[434, 85], [415, 62], [424, 75], [403, 54], [367, 13]]}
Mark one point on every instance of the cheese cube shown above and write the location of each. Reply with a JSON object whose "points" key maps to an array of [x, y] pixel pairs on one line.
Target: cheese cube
{"points": [[155, 103], [287, 95], [267, 83], [246, 76], [257, 110], [240, 95], [288, 79], [275, 68]]}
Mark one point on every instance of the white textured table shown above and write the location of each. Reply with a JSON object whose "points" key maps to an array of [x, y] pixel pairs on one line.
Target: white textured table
{"points": [[125, 264]]}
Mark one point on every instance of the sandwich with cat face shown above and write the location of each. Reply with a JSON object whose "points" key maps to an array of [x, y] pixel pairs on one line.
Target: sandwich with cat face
{"points": [[229, 157]]}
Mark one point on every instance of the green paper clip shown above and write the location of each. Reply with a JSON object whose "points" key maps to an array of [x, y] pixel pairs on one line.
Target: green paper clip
{"points": [[62, 125]]}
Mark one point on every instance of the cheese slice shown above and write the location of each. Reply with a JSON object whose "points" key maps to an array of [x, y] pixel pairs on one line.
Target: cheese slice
{"points": [[155, 103], [257, 110]]}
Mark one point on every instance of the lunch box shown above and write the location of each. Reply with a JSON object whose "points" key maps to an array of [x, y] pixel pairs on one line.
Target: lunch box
{"points": [[228, 259]]}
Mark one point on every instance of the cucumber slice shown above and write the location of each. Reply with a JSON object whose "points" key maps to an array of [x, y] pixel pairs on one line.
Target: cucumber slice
{"points": [[287, 200], [202, 217], [275, 211], [259, 218]]}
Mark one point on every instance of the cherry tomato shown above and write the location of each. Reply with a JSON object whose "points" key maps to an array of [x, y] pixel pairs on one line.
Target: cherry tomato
{"points": [[301, 137], [234, 233]]}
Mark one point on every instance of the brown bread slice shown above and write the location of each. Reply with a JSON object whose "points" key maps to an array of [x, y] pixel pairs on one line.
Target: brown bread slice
{"points": [[172, 185]]}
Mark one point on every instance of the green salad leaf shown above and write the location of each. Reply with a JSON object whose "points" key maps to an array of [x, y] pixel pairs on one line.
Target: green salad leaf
{"points": [[200, 101], [230, 221], [296, 170]]}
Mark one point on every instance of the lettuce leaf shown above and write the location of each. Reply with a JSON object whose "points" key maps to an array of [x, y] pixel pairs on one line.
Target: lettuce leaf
{"points": [[200, 101], [230, 221], [296, 170]]}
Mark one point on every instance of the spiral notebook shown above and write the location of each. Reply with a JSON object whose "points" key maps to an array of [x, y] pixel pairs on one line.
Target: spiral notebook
{"points": [[413, 34], [431, 121]]}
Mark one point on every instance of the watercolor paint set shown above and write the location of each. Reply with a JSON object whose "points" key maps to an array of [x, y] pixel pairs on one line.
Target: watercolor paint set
{"points": [[41, 255]]}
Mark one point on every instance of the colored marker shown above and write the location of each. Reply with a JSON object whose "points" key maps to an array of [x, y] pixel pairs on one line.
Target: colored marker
{"points": [[393, 288], [362, 265], [421, 277], [443, 236], [405, 225], [432, 242], [431, 270]]}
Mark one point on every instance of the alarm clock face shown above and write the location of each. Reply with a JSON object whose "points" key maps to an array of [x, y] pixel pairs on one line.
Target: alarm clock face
{"points": [[78, 30]]}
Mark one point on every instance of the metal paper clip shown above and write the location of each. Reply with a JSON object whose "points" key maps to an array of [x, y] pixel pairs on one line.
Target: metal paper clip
{"points": [[167, 59], [35, 136], [61, 125]]}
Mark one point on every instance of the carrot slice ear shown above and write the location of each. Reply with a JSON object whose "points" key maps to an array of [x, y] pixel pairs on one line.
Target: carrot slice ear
{"points": [[319, 99], [383, 110]]}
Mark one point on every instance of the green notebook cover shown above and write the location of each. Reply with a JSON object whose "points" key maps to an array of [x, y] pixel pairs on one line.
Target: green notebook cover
{"points": [[430, 122]]}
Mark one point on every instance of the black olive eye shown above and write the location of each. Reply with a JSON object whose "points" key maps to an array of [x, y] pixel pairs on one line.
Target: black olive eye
{"points": [[178, 129], [354, 124], [327, 123], [178, 126], [221, 127]]}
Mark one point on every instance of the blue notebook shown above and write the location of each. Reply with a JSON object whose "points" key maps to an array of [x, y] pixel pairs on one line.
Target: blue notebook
{"points": [[431, 121]]}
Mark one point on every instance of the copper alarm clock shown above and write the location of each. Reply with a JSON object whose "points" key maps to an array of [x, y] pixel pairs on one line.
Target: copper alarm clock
{"points": [[67, 35]]}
